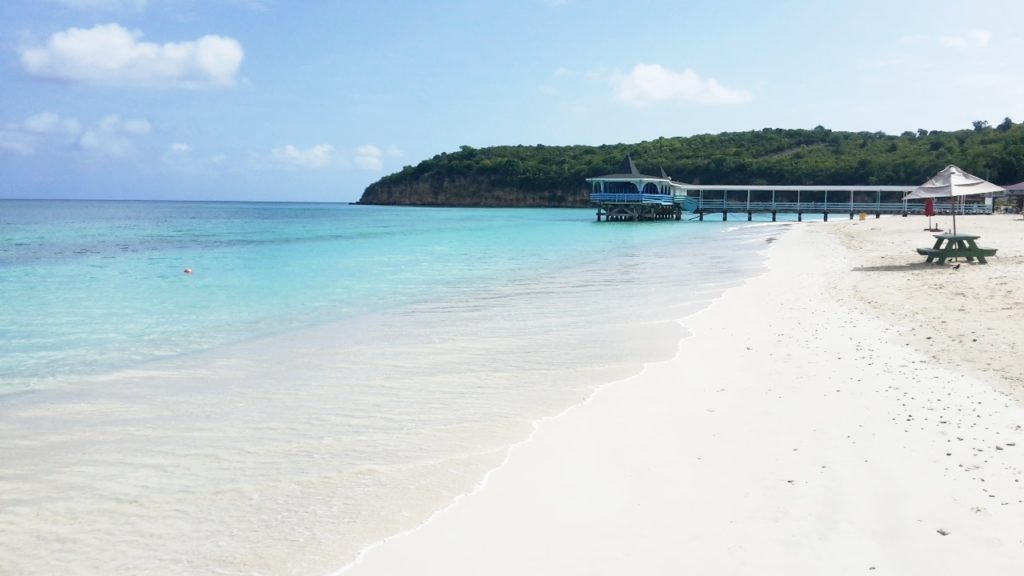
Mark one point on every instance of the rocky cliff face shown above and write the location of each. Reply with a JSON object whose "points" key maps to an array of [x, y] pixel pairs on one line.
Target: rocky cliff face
{"points": [[469, 192]]}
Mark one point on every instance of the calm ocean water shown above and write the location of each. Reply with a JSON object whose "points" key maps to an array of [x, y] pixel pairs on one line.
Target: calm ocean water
{"points": [[328, 375]]}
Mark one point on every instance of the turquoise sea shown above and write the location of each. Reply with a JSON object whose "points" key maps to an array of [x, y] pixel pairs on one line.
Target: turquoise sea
{"points": [[327, 375]]}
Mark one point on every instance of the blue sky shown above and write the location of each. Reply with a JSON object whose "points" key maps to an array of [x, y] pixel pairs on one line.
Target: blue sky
{"points": [[313, 101]]}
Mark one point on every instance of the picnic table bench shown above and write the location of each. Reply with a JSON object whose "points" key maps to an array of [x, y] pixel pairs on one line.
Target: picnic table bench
{"points": [[956, 246]]}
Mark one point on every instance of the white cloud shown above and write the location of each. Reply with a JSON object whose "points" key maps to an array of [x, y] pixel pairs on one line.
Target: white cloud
{"points": [[108, 5], [50, 123], [17, 142], [313, 157], [183, 159], [109, 54], [113, 136], [364, 157], [648, 84], [371, 157], [368, 157], [972, 39], [254, 5], [26, 136]]}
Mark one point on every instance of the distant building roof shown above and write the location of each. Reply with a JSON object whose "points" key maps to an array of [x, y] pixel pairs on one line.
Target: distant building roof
{"points": [[628, 167], [628, 170]]}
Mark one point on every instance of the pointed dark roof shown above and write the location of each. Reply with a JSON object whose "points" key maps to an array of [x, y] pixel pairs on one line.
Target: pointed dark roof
{"points": [[628, 167], [627, 170]]}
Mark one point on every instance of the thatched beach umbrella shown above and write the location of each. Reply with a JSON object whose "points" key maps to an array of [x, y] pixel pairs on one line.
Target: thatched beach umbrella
{"points": [[952, 182]]}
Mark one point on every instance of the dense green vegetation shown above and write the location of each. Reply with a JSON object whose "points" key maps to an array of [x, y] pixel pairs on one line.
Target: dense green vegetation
{"points": [[555, 175]]}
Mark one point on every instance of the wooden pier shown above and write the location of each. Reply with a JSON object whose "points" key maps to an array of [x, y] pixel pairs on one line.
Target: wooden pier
{"points": [[631, 196]]}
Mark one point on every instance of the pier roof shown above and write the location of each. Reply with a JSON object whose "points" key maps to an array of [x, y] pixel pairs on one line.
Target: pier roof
{"points": [[793, 187], [628, 171]]}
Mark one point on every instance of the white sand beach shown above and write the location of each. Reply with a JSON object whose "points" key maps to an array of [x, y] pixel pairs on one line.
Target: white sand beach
{"points": [[851, 411]]}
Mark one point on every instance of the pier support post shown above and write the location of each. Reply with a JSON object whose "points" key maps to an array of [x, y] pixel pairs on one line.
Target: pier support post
{"points": [[799, 216], [878, 215], [750, 215], [851, 215], [826, 215], [701, 214], [725, 215], [773, 215]]}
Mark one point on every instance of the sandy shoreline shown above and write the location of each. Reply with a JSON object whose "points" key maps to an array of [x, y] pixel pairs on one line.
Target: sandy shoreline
{"points": [[805, 428]]}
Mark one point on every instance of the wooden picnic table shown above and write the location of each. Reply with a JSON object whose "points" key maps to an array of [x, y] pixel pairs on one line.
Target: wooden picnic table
{"points": [[956, 246]]}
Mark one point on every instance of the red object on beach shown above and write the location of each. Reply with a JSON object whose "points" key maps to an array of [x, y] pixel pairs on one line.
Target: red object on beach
{"points": [[929, 207]]}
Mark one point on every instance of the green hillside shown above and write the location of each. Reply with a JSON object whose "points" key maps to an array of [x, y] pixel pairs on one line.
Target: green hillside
{"points": [[555, 175]]}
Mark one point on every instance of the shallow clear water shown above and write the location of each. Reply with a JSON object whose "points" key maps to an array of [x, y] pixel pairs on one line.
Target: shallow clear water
{"points": [[327, 375]]}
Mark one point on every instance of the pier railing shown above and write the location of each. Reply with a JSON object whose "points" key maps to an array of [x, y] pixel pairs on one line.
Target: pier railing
{"points": [[695, 205], [616, 198]]}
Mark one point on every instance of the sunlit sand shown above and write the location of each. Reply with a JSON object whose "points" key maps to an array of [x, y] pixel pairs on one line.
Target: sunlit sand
{"points": [[851, 410]]}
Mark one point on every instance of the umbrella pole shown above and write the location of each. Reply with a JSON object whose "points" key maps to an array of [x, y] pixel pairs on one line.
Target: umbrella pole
{"points": [[954, 215]]}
